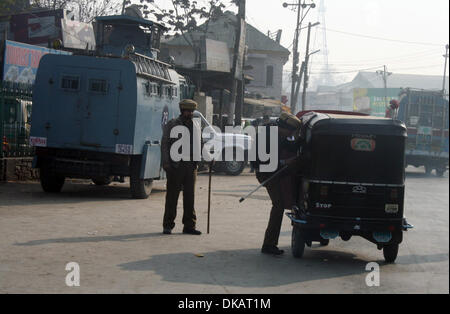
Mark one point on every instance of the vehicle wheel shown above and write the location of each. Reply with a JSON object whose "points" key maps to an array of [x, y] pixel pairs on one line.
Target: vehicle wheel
{"points": [[440, 172], [102, 181], [390, 252], [219, 166], [324, 242], [234, 168], [428, 170], [202, 167], [297, 243], [140, 188], [346, 237], [51, 183]]}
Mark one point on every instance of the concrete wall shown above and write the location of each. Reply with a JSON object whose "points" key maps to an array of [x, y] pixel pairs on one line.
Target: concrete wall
{"points": [[17, 169], [184, 57], [260, 62], [205, 106]]}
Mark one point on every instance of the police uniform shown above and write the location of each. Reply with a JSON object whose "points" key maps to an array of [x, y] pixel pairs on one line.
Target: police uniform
{"points": [[280, 189], [180, 175]]}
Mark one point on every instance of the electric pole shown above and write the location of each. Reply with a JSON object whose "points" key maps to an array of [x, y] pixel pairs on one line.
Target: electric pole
{"points": [[385, 74], [300, 77], [124, 3], [305, 80], [445, 70], [296, 56], [238, 60]]}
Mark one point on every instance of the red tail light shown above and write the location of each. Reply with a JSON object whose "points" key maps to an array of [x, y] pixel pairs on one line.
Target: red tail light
{"points": [[394, 194]]}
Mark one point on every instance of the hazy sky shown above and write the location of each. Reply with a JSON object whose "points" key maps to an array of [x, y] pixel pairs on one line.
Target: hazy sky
{"points": [[414, 21], [405, 20]]}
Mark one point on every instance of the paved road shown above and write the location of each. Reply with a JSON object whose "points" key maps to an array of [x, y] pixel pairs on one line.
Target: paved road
{"points": [[118, 244]]}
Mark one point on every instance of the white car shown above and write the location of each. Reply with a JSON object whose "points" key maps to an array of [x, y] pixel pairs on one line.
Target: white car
{"points": [[236, 144]]}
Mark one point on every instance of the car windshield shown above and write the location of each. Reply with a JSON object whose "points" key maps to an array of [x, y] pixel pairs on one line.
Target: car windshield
{"points": [[205, 125]]}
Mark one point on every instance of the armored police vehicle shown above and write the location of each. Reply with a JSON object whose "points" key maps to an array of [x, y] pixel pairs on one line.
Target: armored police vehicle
{"points": [[99, 115]]}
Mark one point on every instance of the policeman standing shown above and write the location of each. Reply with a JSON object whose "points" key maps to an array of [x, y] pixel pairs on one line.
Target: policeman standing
{"points": [[181, 175], [281, 196]]}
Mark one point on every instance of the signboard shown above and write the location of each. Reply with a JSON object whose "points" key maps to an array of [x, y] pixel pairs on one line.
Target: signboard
{"points": [[21, 61], [372, 100], [215, 56], [38, 28], [77, 35]]}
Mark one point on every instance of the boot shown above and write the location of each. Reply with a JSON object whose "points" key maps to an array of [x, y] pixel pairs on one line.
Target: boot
{"points": [[271, 250]]}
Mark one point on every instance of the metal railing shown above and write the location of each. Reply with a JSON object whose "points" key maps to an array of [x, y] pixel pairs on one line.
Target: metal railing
{"points": [[15, 140], [15, 108]]}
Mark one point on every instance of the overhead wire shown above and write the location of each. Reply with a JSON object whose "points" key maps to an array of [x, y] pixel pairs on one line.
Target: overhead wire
{"points": [[380, 38]]}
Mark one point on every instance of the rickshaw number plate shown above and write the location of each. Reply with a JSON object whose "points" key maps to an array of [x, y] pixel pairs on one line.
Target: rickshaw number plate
{"points": [[391, 208], [382, 237], [329, 234]]}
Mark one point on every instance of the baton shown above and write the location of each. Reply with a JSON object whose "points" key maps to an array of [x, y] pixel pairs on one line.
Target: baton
{"points": [[264, 183], [209, 193]]}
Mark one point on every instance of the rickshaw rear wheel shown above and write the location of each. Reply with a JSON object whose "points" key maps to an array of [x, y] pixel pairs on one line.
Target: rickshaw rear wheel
{"points": [[297, 243], [324, 242], [50, 182], [390, 252], [440, 173], [100, 181]]}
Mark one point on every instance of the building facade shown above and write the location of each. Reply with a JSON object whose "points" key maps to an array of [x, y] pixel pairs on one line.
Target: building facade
{"points": [[366, 93], [264, 62]]}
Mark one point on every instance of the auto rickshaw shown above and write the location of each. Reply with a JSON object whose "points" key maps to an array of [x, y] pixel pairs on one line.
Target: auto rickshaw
{"points": [[354, 182]]}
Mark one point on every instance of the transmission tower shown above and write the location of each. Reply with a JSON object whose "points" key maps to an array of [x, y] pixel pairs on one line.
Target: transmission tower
{"points": [[320, 42]]}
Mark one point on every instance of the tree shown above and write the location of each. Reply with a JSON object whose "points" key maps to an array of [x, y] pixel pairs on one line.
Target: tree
{"points": [[85, 10], [50, 4], [88, 9], [187, 18], [8, 7]]}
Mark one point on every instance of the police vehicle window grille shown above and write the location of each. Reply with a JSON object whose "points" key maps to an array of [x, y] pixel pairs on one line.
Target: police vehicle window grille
{"points": [[155, 89], [147, 67], [151, 89], [98, 86], [70, 82], [159, 90], [141, 67], [147, 88]]}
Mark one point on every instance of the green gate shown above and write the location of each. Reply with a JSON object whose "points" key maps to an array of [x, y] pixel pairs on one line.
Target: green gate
{"points": [[15, 121]]}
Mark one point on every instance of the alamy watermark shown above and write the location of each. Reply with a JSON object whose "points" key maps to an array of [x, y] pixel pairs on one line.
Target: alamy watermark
{"points": [[236, 144], [373, 278], [73, 277]]}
